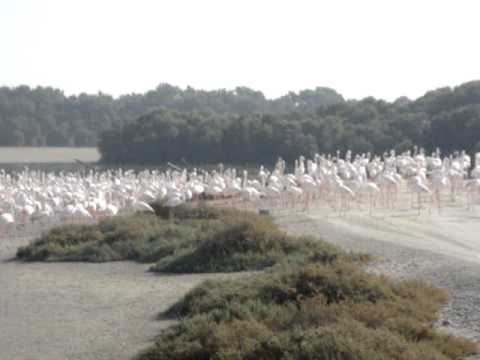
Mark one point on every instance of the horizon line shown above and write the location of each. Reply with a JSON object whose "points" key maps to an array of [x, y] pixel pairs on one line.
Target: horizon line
{"points": [[116, 97]]}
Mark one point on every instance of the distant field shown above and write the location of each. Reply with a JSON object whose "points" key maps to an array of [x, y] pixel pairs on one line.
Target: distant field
{"points": [[30, 155]]}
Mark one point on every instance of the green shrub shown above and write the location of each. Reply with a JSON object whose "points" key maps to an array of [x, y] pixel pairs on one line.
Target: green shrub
{"points": [[141, 237], [238, 243], [315, 311], [199, 212], [194, 239], [339, 282]]}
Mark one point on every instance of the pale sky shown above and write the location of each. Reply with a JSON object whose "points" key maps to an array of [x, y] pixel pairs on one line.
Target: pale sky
{"points": [[384, 48]]}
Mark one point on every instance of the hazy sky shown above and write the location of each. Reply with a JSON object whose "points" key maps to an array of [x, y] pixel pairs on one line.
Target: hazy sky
{"points": [[383, 48]]}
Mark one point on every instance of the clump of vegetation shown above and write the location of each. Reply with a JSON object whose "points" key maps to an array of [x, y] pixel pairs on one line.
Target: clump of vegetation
{"points": [[315, 311], [189, 212], [141, 237], [247, 244], [193, 239]]}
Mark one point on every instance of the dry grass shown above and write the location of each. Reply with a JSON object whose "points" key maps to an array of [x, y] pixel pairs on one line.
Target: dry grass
{"points": [[15, 155]]}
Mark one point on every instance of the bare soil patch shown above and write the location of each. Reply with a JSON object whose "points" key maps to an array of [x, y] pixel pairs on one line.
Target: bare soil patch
{"points": [[51, 311]]}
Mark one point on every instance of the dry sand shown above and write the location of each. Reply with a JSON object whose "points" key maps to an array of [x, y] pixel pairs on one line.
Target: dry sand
{"points": [[107, 311], [78, 311]]}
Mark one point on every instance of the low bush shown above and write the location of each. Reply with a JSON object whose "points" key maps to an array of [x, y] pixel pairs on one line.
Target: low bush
{"points": [[141, 237], [238, 244], [332, 311], [193, 239], [188, 211]]}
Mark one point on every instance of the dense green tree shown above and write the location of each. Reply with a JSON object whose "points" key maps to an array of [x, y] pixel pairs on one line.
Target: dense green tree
{"points": [[239, 125], [45, 116], [449, 118]]}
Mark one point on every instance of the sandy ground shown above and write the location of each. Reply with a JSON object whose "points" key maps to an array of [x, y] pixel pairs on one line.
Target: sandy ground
{"points": [[107, 311], [81, 311]]}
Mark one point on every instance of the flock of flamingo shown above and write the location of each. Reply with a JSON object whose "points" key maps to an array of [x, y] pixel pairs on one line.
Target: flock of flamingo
{"points": [[33, 201]]}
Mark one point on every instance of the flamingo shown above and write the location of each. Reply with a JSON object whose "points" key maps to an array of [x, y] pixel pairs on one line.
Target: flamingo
{"points": [[141, 206], [472, 188], [248, 193], [373, 190], [417, 186], [6, 221], [38, 199]]}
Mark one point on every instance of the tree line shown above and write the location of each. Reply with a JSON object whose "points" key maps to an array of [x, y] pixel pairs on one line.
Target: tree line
{"points": [[239, 125], [448, 118], [45, 116]]}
